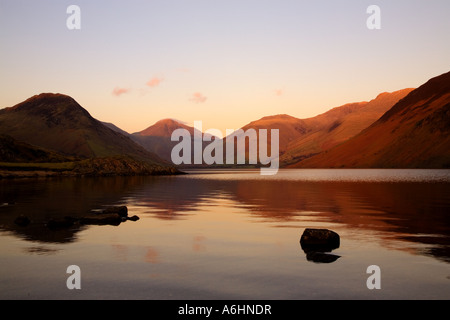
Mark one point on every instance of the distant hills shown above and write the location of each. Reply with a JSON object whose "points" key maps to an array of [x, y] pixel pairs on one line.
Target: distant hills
{"points": [[302, 138], [157, 137], [58, 125], [414, 133], [57, 122], [408, 128], [299, 138], [338, 125], [411, 132]]}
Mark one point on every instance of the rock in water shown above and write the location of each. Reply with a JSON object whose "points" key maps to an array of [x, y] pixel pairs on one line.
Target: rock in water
{"points": [[22, 221], [319, 240], [101, 219], [120, 210], [66, 222]]}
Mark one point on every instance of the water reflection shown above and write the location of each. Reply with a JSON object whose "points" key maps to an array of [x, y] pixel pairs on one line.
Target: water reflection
{"points": [[42, 200], [411, 211]]}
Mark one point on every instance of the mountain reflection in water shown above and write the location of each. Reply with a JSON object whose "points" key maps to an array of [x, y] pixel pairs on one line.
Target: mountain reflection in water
{"points": [[415, 211]]}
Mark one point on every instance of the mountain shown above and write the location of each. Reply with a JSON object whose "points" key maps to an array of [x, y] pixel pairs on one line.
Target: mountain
{"points": [[14, 151], [157, 137], [414, 133], [290, 128], [303, 138], [57, 124], [164, 128], [338, 125], [298, 138]]}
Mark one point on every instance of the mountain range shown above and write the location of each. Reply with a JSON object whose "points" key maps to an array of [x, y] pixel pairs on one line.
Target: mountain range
{"points": [[303, 138], [55, 126], [157, 137], [414, 133], [405, 128], [299, 138]]}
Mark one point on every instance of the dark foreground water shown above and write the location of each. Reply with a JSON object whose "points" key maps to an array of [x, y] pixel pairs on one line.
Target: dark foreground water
{"points": [[230, 235]]}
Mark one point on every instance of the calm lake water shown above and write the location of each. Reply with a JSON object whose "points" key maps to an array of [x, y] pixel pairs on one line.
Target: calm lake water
{"points": [[230, 235]]}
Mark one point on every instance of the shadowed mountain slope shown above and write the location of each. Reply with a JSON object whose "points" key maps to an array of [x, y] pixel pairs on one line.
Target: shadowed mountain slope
{"points": [[57, 122], [414, 133]]}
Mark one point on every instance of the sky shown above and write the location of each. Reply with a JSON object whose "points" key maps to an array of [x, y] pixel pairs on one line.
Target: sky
{"points": [[223, 62]]}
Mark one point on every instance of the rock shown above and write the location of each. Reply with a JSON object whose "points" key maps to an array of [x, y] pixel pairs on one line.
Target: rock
{"points": [[102, 219], [319, 240], [133, 218], [321, 257], [22, 221], [66, 222], [120, 210]]}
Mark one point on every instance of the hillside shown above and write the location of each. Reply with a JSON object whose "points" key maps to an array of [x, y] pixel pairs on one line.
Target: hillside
{"points": [[303, 138], [53, 128], [14, 151], [157, 137], [414, 133], [339, 124], [57, 122]]}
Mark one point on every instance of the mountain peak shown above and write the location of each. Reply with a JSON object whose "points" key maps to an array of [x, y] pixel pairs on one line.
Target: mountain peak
{"points": [[164, 128], [56, 122], [51, 106], [170, 120], [50, 95], [45, 98], [279, 117]]}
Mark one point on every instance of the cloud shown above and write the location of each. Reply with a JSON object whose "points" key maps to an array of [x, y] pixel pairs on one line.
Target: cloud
{"points": [[119, 91], [197, 97], [154, 82], [279, 92]]}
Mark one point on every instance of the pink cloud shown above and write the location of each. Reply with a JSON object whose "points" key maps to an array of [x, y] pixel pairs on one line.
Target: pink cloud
{"points": [[279, 92], [154, 82], [197, 97], [119, 91]]}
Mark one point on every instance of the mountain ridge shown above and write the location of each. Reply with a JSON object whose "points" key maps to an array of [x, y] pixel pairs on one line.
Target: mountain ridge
{"points": [[403, 128], [58, 124], [414, 133]]}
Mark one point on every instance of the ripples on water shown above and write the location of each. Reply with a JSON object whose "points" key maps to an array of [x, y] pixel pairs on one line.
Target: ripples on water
{"points": [[334, 175], [231, 234]]}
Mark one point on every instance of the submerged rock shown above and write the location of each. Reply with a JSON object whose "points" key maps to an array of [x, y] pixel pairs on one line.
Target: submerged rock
{"points": [[66, 222], [22, 221], [102, 219], [120, 210], [114, 215]]}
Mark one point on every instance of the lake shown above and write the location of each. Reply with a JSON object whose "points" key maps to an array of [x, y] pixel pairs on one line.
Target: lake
{"points": [[218, 234]]}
